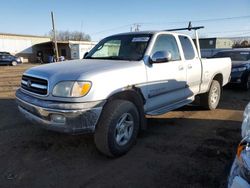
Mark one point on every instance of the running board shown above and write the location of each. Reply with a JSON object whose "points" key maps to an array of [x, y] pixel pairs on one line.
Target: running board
{"points": [[168, 108]]}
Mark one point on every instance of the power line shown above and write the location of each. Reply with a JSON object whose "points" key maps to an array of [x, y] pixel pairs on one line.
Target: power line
{"points": [[241, 35], [234, 31], [111, 29], [202, 20], [221, 19], [165, 23]]}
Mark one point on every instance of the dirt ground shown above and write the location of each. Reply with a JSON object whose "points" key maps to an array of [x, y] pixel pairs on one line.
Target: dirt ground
{"points": [[189, 147]]}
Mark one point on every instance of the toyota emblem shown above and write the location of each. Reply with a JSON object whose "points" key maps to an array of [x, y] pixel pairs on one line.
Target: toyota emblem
{"points": [[28, 83]]}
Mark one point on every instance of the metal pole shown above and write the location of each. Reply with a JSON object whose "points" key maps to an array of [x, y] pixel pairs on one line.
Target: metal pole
{"points": [[189, 28], [54, 38], [197, 43]]}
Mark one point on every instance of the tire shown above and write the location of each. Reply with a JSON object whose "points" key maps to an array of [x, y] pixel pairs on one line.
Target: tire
{"points": [[14, 63], [246, 84], [210, 100], [117, 129]]}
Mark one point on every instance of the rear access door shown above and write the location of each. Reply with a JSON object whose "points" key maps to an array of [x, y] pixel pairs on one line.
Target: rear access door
{"points": [[192, 64]]}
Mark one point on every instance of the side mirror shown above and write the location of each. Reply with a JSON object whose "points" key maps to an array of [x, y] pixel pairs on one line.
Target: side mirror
{"points": [[161, 56], [84, 56]]}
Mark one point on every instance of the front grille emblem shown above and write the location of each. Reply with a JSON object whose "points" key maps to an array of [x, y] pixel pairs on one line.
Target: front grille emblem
{"points": [[35, 85], [28, 83]]}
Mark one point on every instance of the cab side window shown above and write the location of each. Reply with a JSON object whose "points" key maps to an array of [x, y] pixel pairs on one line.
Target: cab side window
{"points": [[169, 44], [187, 47]]}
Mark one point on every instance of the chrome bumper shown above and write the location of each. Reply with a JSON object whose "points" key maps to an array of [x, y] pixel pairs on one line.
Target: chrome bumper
{"points": [[75, 117]]}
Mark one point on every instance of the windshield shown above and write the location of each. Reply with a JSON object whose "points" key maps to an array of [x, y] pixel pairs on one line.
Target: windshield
{"points": [[121, 47], [235, 55]]}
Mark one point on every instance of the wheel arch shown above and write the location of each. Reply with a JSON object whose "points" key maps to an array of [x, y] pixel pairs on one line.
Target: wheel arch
{"points": [[135, 96], [219, 78]]}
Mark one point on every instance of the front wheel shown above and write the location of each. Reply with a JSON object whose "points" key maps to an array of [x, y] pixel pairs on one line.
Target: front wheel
{"points": [[13, 63], [117, 129], [210, 100]]}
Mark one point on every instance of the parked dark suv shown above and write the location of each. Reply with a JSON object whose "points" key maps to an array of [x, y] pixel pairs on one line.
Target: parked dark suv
{"points": [[7, 59], [240, 73]]}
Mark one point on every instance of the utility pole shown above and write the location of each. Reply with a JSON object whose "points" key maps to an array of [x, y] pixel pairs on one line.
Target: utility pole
{"points": [[54, 37], [135, 27]]}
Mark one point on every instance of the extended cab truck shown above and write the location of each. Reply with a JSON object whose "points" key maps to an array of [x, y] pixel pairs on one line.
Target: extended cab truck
{"points": [[122, 79]]}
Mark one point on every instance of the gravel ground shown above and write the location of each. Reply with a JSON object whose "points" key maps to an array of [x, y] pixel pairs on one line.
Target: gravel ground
{"points": [[189, 147]]}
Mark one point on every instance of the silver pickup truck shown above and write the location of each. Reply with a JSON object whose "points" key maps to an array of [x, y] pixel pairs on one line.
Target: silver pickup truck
{"points": [[122, 79]]}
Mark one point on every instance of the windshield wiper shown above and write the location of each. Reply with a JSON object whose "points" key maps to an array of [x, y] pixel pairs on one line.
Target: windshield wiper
{"points": [[117, 58], [110, 57]]}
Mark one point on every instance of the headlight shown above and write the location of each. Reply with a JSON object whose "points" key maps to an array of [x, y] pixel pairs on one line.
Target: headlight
{"points": [[71, 89], [240, 69], [18, 59], [245, 128]]}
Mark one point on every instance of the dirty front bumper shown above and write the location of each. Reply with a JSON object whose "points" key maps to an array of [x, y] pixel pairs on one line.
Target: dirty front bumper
{"points": [[60, 116]]}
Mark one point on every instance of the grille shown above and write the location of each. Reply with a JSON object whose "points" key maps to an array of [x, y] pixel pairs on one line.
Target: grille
{"points": [[34, 85]]}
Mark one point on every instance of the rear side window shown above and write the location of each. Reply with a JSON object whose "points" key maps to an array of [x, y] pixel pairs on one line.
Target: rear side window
{"points": [[187, 47]]}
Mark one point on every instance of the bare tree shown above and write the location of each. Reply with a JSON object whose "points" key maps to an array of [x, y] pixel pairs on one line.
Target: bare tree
{"points": [[70, 35], [241, 44]]}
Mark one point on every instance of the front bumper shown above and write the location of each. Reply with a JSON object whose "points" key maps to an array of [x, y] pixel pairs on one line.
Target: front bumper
{"points": [[76, 117]]}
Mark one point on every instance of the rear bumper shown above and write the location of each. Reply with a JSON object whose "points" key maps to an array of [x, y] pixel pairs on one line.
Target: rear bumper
{"points": [[70, 118]]}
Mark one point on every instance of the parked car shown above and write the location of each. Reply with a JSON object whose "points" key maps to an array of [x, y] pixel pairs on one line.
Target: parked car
{"points": [[240, 74], [7, 59], [122, 79], [240, 171]]}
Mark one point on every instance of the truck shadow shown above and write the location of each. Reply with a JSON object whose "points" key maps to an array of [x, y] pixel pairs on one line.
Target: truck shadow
{"points": [[40, 139], [207, 147]]}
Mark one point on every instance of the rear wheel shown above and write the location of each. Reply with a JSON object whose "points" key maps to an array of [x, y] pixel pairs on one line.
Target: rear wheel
{"points": [[210, 100], [246, 84], [117, 129]]}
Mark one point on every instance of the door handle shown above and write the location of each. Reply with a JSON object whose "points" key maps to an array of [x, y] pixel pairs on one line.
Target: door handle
{"points": [[190, 66], [180, 68]]}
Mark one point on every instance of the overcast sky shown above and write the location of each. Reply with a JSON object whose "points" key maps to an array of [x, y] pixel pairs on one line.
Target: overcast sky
{"points": [[100, 18]]}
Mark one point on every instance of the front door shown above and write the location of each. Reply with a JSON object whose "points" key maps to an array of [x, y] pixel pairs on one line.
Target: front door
{"points": [[166, 81]]}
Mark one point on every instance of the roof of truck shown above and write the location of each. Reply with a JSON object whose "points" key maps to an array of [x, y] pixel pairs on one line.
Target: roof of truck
{"points": [[136, 32], [139, 32], [145, 32]]}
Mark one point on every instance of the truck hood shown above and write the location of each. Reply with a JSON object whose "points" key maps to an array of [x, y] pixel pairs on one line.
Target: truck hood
{"points": [[73, 70]]}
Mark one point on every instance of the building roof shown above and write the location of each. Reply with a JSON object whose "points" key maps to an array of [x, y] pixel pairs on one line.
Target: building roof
{"points": [[24, 35], [236, 49], [70, 42]]}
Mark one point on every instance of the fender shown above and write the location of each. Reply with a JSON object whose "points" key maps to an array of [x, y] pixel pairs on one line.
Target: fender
{"points": [[134, 95], [217, 76]]}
